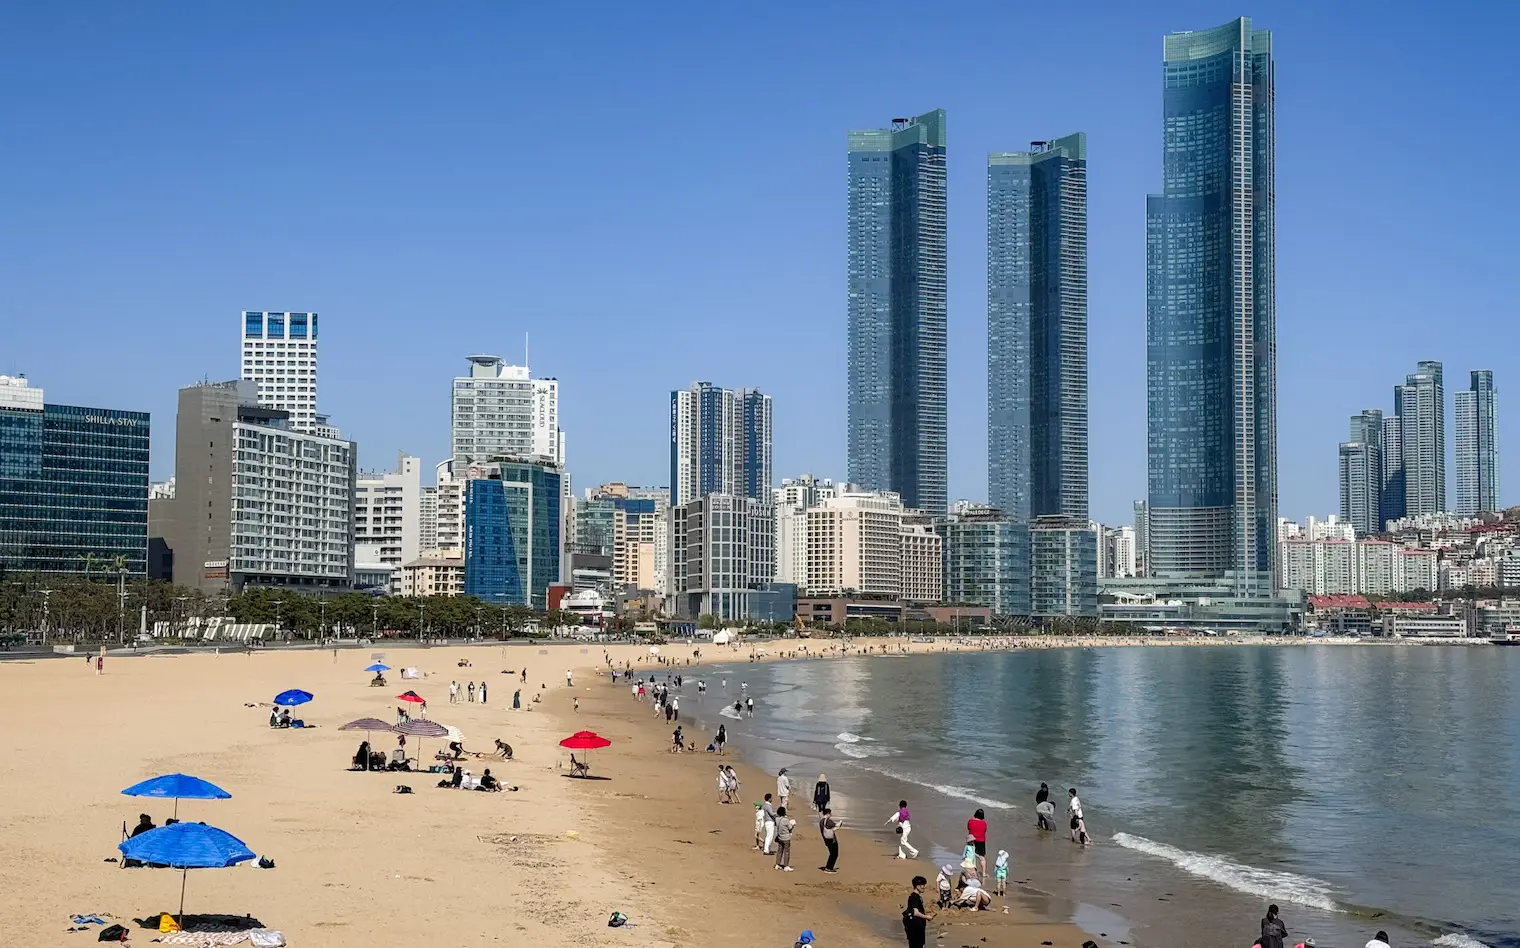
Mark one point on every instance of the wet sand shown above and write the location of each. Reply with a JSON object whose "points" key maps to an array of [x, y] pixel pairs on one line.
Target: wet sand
{"points": [[358, 864]]}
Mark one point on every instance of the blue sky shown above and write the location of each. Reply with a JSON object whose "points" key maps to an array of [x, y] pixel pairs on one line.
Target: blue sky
{"points": [[656, 194]]}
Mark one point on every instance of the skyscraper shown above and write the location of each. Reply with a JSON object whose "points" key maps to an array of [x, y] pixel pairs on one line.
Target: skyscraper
{"points": [[1477, 446], [1361, 473], [1393, 469], [280, 355], [499, 411], [1420, 404], [1037, 330], [720, 442], [896, 412], [1211, 314]]}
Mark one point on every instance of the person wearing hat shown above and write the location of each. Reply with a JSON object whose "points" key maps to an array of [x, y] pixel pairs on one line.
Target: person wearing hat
{"points": [[821, 794], [1306, 943], [783, 787], [805, 939]]}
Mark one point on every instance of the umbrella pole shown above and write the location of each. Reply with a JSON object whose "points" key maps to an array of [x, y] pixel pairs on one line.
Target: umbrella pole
{"points": [[183, 875]]}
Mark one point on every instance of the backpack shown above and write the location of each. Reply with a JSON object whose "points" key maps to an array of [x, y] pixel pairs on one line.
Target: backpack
{"points": [[618, 920], [112, 933]]}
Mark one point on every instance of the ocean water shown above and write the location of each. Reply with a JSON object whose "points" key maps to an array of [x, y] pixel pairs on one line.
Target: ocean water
{"points": [[1360, 788]]}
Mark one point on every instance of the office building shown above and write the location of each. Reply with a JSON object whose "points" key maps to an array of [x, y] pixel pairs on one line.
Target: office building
{"points": [[722, 557], [1477, 416], [1142, 537], [439, 573], [896, 280], [1037, 329], [1393, 470], [626, 525], [1420, 404], [1211, 314], [280, 358], [73, 486], [1063, 574], [720, 442], [500, 412], [388, 515], [257, 502], [986, 559], [513, 537]]}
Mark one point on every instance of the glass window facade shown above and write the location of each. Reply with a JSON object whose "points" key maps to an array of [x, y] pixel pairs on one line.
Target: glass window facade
{"points": [[1211, 314], [253, 325], [896, 296], [512, 533], [1037, 330], [73, 490], [986, 561], [1063, 568], [1477, 415], [298, 325]]}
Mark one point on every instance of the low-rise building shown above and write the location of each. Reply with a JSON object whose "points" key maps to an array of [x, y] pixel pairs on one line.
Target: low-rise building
{"points": [[435, 573]]}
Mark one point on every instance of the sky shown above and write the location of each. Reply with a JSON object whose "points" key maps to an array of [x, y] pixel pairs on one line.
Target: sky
{"points": [[655, 194]]}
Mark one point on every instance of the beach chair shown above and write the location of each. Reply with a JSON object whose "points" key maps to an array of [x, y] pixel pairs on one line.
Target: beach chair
{"points": [[579, 768]]}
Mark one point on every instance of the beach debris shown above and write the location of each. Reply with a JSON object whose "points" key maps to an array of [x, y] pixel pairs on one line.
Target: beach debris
{"points": [[617, 920], [572, 834]]}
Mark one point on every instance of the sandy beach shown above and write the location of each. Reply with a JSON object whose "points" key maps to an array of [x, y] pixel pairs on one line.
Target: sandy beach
{"points": [[358, 864]]}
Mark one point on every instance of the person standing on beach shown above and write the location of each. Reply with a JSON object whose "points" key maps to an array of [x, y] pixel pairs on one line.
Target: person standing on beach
{"points": [[722, 737], [783, 786], [749, 704], [471, 690], [482, 692], [784, 827], [675, 707], [517, 700], [905, 849], [829, 827], [821, 794], [1273, 931], [769, 809], [915, 918], [569, 681], [453, 692], [976, 835]]}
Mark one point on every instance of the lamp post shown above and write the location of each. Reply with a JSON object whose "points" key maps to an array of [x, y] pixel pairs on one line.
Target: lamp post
{"points": [[421, 618], [278, 605], [324, 620], [374, 629]]}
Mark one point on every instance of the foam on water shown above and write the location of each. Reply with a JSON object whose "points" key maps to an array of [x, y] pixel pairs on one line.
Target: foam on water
{"points": [[964, 793], [1458, 940], [728, 711], [1263, 883]]}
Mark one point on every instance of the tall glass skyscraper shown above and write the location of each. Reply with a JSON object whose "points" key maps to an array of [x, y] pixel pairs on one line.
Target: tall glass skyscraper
{"points": [[1477, 414], [1037, 330], [1211, 314], [513, 533], [1420, 404], [896, 413]]}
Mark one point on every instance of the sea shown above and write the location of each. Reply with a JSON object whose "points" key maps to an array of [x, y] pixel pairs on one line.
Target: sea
{"points": [[1358, 787]]}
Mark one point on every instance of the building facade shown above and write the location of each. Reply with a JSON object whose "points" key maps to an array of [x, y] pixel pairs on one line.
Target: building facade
{"points": [[513, 539], [73, 486], [1420, 404], [895, 288], [792, 500], [722, 556], [256, 502], [1211, 314], [922, 561], [1037, 330], [1361, 479], [500, 412], [986, 559], [280, 357], [1477, 417], [1063, 580], [854, 545], [388, 515], [720, 442]]}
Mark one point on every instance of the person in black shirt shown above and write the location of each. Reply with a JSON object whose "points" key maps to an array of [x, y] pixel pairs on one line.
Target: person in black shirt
{"points": [[144, 823], [915, 919]]}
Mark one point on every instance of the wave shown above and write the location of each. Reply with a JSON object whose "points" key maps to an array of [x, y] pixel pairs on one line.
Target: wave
{"points": [[848, 738], [727, 711], [963, 793], [1458, 940], [959, 793], [1263, 883]]}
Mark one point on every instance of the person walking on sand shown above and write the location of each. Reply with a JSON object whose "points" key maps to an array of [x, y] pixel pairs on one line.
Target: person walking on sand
{"points": [[482, 692], [471, 689], [784, 827], [721, 737], [905, 849], [829, 827], [783, 787], [569, 681], [915, 919], [976, 835], [1273, 931], [759, 827], [821, 794], [733, 780]]}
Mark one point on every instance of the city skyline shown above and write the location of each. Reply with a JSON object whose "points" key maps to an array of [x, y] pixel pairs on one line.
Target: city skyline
{"points": [[180, 271]]}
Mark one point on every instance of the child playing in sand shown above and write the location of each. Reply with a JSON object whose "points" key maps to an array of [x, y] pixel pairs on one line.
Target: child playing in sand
{"points": [[942, 882], [1000, 871]]}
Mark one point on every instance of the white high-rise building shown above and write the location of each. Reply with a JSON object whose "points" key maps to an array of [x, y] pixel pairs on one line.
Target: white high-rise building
{"points": [[855, 542], [792, 500], [280, 355], [1116, 552], [500, 411], [923, 568], [388, 516]]}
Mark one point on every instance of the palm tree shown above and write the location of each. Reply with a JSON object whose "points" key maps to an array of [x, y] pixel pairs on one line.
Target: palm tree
{"points": [[119, 567]]}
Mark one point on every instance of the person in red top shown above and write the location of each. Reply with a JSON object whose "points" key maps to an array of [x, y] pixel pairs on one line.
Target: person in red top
{"points": [[976, 834]]}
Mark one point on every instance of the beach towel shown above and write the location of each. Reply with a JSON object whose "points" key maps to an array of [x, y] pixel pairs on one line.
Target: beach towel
{"points": [[205, 939]]}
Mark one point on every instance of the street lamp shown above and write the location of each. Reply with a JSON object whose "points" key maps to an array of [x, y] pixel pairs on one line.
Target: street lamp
{"points": [[374, 629], [324, 620], [278, 604], [421, 608]]}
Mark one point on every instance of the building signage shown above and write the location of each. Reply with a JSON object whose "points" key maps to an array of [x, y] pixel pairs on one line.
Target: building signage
{"points": [[107, 420]]}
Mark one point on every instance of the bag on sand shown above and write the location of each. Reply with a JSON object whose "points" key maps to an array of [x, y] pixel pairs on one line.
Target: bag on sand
{"points": [[618, 920], [167, 924], [112, 933]]}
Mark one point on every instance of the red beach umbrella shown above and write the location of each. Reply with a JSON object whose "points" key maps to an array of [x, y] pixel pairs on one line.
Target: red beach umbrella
{"points": [[411, 696], [585, 740]]}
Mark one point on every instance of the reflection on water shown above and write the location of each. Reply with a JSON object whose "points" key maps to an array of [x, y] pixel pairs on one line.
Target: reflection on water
{"points": [[1379, 779]]}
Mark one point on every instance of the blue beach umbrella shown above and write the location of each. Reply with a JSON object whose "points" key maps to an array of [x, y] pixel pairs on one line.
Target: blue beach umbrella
{"points": [[377, 667], [177, 787], [291, 698], [186, 846]]}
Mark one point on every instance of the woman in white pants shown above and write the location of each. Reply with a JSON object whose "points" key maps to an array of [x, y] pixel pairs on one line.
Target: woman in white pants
{"points": [[905, 849]]}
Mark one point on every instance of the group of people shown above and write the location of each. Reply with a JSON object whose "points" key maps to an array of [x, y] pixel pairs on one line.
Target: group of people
{"points": [[1045, 814], [774, 827], [463, 779], [1274, 933], [280, 717], [467, 690]]}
